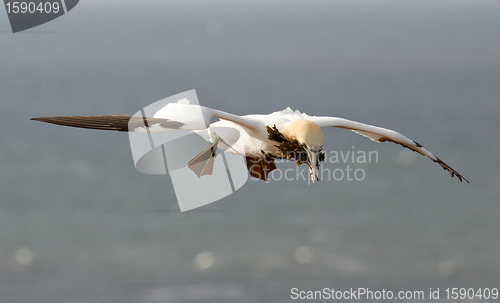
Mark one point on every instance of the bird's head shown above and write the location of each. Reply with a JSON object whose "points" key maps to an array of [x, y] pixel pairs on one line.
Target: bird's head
{"points": [[310, 136]]}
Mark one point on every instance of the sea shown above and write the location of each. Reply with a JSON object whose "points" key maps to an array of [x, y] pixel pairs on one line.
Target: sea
{"points": [[78, 222]]}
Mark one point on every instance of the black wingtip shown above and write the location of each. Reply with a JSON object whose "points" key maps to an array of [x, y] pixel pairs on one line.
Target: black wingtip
{"points": [[417, 144], [450, 170], [41, 119]]}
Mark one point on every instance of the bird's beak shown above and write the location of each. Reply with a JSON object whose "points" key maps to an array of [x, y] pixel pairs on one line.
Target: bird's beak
{"points": [[312, 161]]}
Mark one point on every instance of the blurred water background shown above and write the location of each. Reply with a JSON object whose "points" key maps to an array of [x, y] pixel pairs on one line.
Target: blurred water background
{"points": [[79, 224]]}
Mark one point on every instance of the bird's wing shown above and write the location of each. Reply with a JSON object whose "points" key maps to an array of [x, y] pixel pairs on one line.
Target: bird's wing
{"points": [[170, 117], [379, 134], [195, 117], [123, 123], [173, 116]]}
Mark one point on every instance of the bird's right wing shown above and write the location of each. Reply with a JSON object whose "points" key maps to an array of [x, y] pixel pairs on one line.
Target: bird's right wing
{"points": [[379, 134]]}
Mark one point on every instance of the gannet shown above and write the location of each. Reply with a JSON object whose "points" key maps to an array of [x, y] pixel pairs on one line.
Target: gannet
{"points": [[250, 135]]}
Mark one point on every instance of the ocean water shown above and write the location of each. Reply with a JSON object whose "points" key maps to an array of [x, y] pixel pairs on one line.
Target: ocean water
{"points": [[78, 223]]}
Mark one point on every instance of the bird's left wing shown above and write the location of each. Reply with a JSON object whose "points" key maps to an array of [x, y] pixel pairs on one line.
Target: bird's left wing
{"points": [[196, 117], [170, 117], [123, 123], [379, 134]]}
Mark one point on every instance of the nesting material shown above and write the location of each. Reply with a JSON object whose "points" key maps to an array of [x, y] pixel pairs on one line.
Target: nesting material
{"points": [[290, 148]]}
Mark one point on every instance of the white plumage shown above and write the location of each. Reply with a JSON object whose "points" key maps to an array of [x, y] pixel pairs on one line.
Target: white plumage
{"points": [[247, 135]]}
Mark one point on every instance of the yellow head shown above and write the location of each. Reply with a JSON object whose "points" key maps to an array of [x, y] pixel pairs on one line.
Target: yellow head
{"points": [[306, 132], [309, 134]]}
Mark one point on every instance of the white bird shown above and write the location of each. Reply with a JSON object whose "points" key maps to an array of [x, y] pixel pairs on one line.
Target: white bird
{"points": [[251, 136]]}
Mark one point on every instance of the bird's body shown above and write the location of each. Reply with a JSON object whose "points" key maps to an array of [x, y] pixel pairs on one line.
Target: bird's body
{"points": [[252, 141], [248, 135]]}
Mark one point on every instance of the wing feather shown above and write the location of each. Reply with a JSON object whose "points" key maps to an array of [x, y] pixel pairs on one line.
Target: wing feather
{"points": [[379, 134], [120, 123]]}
